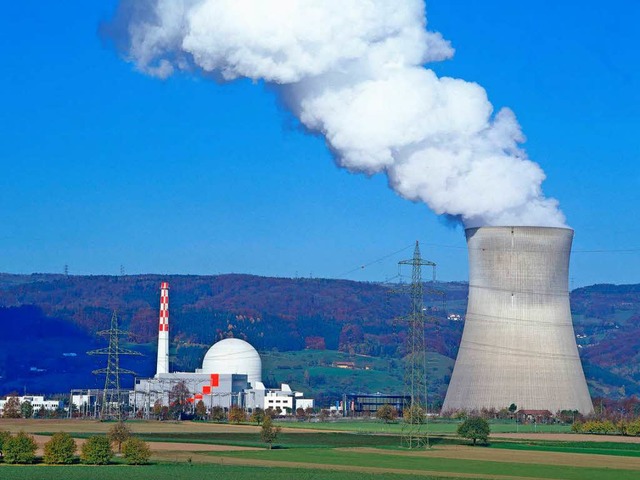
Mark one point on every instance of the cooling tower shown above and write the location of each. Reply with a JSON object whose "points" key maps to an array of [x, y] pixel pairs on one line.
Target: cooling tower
{"points": [[518, 344]]}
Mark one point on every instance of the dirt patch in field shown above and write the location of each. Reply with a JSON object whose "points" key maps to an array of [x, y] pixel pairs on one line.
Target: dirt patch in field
{"points": [[464, 452], [94, 426]]}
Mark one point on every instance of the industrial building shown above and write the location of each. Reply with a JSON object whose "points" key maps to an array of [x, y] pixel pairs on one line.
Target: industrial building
{"points": [[37, 402], [518, 344], [231, 375]]}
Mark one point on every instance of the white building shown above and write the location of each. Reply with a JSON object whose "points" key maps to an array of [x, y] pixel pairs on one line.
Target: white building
{"points": [[36, 401]]}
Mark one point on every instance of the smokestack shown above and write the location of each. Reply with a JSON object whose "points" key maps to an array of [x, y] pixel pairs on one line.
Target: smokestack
{"points": [[163, 331], [518, 344]]}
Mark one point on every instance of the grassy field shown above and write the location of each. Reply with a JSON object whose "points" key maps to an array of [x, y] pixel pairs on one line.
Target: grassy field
{"points": [[384, 460], [176, 471], [196, 449], [437, 427]]}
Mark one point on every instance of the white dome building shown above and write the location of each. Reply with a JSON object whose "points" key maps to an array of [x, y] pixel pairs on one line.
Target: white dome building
{"points": [[233, 355]]}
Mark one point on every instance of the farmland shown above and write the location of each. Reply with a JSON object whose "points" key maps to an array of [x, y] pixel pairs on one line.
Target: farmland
{"points": [[340, 450]]}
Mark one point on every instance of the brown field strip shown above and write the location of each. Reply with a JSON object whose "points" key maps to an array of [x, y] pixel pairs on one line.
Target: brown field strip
{"points": [[151, 426]]}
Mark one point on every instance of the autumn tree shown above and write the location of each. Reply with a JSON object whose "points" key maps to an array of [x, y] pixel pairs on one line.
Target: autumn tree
{"points": [[179, 399], [301, 414], [136, 451], [387, 413], [269, 432], [118, 434], [20, 448], [4, 436], [217, 414], [11, 408], [237, 415], [96, 450], [60, 449], [201, 410]]}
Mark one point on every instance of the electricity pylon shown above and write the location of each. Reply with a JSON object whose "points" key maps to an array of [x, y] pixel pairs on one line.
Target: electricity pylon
{"points": [[414, 429], [111, 397]]}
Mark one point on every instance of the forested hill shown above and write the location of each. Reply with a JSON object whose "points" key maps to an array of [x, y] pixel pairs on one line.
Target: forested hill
{"points": [[293, 314]]}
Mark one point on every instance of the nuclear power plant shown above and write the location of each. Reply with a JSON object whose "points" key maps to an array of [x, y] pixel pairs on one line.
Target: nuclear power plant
{"points": [[231, 375], [518, 344]]}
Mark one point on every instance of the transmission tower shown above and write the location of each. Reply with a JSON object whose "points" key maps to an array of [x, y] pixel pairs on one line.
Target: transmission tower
{"points": [[112, 395], [414, 429]]}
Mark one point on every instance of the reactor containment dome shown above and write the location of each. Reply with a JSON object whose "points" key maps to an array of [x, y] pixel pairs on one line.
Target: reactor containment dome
{"points": [[234, 356]]}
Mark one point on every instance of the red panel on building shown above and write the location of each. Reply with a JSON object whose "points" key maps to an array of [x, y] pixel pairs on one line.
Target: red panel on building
{"points": [[206, 389], [215, 380], [198, 396]]}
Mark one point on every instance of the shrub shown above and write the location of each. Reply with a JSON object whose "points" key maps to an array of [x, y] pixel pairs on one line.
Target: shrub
{"points": [[633, 428], [387, 413], [415, 414], [475, 428], [60, 449], [577, 426], [118, 434], [136, 451], [4, 436], [598, 426], [20, 449], [96, 450]]}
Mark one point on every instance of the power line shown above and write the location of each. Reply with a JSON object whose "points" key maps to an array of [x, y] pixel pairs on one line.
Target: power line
{"points": [[363, 266]]}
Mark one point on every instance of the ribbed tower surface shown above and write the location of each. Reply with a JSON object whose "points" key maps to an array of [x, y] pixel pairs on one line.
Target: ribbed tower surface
{"points": [[518, 344]]}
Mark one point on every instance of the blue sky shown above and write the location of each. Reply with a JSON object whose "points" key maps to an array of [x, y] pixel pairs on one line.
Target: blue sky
{"points": [[103, 166]]}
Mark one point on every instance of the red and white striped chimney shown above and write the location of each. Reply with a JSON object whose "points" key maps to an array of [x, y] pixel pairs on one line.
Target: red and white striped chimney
{"points": [[163, 331]]}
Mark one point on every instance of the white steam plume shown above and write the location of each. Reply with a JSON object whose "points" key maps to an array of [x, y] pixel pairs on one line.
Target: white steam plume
{"points": [[354, 71]]}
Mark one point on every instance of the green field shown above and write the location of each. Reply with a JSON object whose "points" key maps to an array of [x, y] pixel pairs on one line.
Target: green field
{"points": [[436, 427], [444, 465], [197, 449], [168, 471]]}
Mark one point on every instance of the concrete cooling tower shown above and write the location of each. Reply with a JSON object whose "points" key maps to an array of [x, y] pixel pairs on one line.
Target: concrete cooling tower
{"points": [[518, 344]]}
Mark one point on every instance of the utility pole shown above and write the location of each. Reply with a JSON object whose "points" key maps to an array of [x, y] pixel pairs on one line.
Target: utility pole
{"points": [[112, 395], [414, 429]]}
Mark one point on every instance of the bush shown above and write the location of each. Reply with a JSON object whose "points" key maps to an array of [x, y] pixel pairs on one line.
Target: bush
{"points": [[20, 449], [4, 436], [60, 449], [387, 413], [136, 451], [598, 426], [414, 415], [633, 428], [96, 450], [118, 434], [475, 428]]}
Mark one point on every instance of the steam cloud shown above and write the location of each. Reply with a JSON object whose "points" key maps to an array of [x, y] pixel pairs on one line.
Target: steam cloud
{"points": [[354, 71]]}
